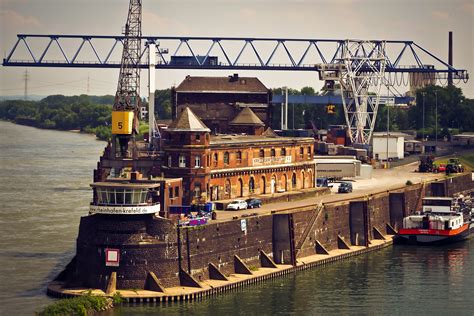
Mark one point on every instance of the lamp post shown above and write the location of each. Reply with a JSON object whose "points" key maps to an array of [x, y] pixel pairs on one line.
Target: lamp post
{"points": [[436, 122]]}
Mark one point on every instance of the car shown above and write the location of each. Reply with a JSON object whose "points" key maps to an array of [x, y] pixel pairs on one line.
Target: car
{"points": [[345, 187], [253, 203], [237, 205]]}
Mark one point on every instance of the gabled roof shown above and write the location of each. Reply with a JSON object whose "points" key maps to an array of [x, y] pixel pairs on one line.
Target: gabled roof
{"points": [[231, 84], [246, 117], [187, 121]]}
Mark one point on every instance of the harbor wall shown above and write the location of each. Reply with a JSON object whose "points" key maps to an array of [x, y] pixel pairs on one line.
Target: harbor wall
{"points": [[149, 244]]}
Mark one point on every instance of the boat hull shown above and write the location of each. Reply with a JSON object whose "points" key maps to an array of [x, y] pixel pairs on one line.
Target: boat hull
{"points": [[432, 236]]}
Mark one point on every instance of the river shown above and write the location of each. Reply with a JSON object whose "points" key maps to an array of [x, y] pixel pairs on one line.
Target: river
{"points": [[45, 178]]}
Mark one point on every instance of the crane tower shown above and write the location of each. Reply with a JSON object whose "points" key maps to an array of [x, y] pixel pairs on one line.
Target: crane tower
{"points": [[126, 107]]}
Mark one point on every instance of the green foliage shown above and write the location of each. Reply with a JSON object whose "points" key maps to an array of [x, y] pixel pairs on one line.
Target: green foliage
{"points": [[117, 298], [409, 182], [81, 305]]}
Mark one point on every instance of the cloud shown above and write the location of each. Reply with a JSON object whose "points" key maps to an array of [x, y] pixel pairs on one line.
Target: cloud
{"points": [[440, 15], [15, 20], [248, 13], [156, 24]]}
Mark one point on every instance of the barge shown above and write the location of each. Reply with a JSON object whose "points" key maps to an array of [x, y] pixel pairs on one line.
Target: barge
{"points": [[441, 220]]}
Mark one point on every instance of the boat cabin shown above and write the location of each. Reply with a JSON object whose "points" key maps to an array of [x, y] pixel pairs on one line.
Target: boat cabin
{"points": [[438, 204]]}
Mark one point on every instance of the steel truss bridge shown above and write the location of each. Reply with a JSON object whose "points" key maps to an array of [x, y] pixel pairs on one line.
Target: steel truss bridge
{"points": [[361, 67]]}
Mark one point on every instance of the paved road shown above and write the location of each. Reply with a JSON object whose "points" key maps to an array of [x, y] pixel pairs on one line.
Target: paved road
{"points": [[382, 180]]}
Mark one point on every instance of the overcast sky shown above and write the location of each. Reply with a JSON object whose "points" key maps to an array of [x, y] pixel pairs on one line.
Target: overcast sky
{"points": [[426, 22]]}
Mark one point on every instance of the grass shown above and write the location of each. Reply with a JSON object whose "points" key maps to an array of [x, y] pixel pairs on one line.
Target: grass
{"points": [[466, 159]]}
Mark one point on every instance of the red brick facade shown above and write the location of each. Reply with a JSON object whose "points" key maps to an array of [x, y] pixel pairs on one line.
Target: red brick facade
{"points": [[228, 166]]}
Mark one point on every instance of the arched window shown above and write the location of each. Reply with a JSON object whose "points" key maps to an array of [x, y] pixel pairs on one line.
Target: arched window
{"points": [[301, 152], [170, 161], [273, 153], [226, 158], [293, 180], [309, 152], [283, 152], [261, 153], [251, 185], [197, 161], [197, 190]]}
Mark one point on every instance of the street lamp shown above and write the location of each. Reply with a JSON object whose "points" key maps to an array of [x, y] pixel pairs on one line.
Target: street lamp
{"points": [[436, 122]]}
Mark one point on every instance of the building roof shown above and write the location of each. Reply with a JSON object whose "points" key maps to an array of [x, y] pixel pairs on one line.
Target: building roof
{"points": [[187, 121], [231, 84], [247, 117], [390, 134], [247, 140]]}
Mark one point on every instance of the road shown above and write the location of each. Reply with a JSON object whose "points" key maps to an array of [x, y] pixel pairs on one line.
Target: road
{"points": [[382, 180]]}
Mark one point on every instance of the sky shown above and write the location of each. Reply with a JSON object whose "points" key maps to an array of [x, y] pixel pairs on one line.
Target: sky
{"points": [[426, 22]]}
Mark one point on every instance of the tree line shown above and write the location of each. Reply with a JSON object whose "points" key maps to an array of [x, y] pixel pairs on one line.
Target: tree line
{"points": [[92, 114]]}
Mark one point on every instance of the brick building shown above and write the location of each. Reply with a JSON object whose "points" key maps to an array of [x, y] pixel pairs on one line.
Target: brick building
{"points": [[221, 167], [218, 100]]}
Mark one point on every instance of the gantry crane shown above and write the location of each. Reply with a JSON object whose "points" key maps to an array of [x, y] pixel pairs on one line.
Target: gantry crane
{"points": [[361, 67]]}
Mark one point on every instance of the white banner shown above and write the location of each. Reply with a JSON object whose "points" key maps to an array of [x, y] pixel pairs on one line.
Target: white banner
{"points": [[124, 210]]}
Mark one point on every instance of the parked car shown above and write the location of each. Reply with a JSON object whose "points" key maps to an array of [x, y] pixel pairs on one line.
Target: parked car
{"points": [[253, 203], [237, 205], [345, 187]]}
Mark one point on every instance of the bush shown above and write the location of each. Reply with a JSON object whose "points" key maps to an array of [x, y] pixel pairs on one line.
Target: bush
{"points": [[81, 305]]}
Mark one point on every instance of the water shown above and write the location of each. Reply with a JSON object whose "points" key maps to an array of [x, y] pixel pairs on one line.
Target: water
{"points": [[44, 192]]}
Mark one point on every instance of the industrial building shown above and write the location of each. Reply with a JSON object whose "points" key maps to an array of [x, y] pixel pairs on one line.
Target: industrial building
{"points": [[393, 145], [218, 100]]}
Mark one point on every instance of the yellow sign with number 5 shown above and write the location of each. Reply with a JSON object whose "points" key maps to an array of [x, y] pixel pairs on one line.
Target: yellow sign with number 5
{"points": [[122, 122]]}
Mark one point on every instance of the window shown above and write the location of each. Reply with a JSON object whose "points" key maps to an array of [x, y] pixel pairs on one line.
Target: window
{"points": [[283, 152], [261, 154], [293, 180], [252, 185], [176, 191], [273, 152], [239, 157], [226, 158], [301, 152], [216, 159], [198, 137], [197, 161], [309, 152], [170, 192], [197, 190], [170, 161], [182, 161]]}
